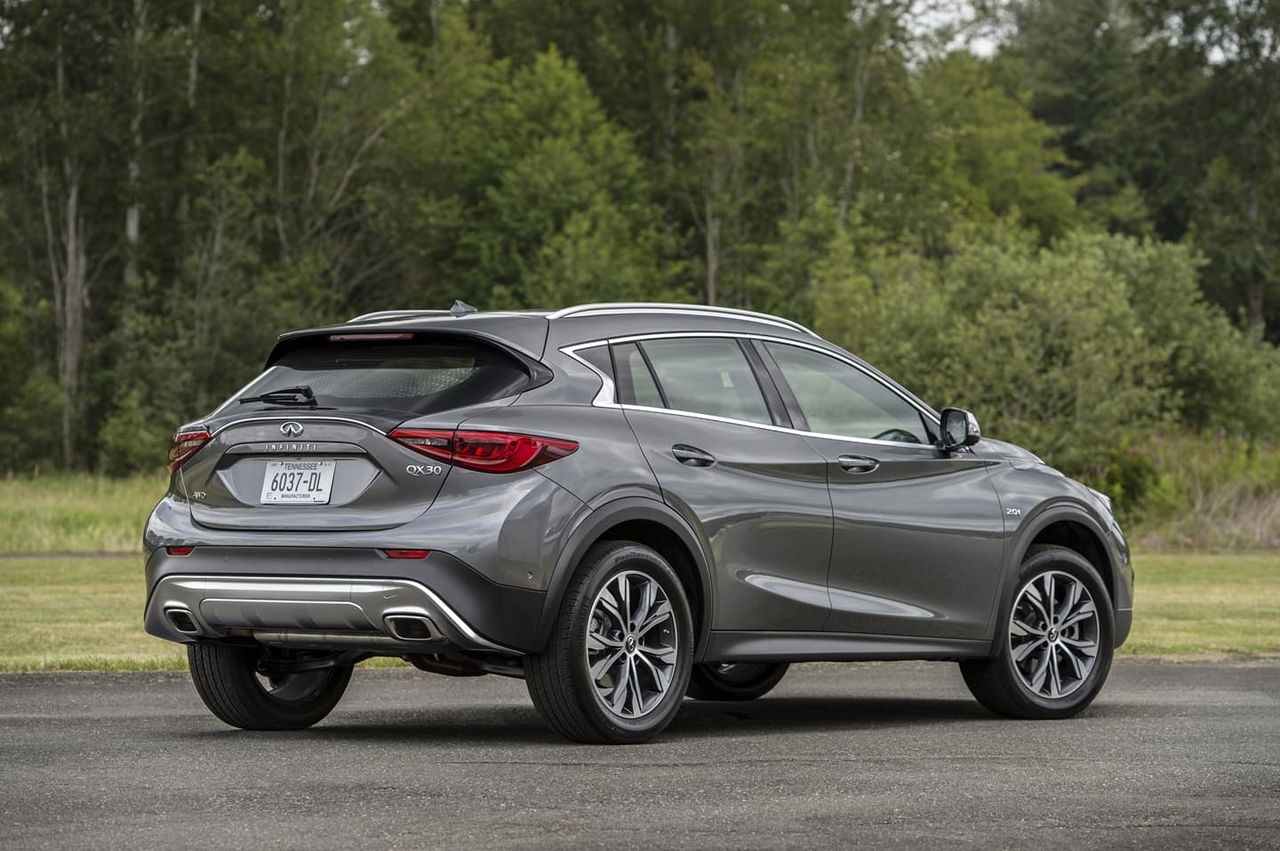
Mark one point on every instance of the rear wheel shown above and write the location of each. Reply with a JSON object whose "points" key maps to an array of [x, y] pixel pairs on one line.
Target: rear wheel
{"points": [[618, 661], [256, 688], [1057, 640], [735, 680]]}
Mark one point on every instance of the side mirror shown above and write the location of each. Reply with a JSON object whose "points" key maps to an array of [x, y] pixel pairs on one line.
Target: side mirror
{"points": [[959, 429]]}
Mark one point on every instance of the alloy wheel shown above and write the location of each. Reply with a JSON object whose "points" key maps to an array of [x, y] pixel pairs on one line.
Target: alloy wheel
{"points": [[632, 644], [1053, 634]]}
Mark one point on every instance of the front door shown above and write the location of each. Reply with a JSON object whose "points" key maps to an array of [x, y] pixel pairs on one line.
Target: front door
{"points": [[918, 541]]}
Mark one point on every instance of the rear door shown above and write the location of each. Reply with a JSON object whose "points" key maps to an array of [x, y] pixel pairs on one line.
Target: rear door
{"points": [[755, 493], [289, 461], [918, 540]]}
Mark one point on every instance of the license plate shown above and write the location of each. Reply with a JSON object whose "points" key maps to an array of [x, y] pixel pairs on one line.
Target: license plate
{"points": [[298, 482]]}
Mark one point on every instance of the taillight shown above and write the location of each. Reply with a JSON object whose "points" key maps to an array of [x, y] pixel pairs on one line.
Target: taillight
{"points": [[433, 444], [406, 553], [485, 451], [185, 444]]}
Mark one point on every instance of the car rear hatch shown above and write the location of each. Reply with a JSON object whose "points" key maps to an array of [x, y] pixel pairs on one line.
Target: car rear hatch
{"points": [[307, 444]]}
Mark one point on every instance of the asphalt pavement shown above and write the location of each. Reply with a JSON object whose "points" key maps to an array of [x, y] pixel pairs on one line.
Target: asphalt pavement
{"points": [[1171, 755]]}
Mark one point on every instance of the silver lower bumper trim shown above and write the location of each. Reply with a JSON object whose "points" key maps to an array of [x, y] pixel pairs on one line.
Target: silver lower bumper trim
{"points": [[219, 605], [367, 642]]}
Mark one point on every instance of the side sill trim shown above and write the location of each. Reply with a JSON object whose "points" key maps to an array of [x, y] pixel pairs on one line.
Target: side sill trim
{"points": [[837, 647]]}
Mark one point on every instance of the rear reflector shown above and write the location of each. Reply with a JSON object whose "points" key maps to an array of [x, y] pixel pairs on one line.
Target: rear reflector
{"points": [[485, 451], [180, 551], [184, 444], [407, 553]]}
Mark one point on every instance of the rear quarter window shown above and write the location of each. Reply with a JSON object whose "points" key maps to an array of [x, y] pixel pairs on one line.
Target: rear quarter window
{"points": [[707, 376]]}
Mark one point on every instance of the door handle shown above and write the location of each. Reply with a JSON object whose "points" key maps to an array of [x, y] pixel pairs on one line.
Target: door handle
{"points": [[857, 463], [692, 456]]}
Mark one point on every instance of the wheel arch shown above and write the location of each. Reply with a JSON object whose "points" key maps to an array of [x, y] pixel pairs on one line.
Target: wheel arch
{"points": [[1063, 525], [648, 522]]}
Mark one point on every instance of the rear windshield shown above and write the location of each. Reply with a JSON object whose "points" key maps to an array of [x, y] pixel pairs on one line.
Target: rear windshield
{"points": [[396, 378]]}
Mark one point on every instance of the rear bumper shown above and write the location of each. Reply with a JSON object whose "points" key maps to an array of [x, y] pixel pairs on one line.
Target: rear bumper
{"points": [[340, 598], [360, 614]]}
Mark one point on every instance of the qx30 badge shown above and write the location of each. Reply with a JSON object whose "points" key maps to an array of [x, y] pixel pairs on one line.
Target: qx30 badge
{"points": [[291, 429]]}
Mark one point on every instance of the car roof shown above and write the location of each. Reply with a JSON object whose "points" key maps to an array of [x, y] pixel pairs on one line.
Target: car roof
{"points": [[535, 333], [595, 309], [532, 330]]}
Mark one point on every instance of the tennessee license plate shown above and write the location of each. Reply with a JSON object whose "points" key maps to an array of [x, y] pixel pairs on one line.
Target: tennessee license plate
{"points": [[300, 482]]}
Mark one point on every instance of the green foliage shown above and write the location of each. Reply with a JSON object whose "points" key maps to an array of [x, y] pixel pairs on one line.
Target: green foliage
{"points": [[132, 437], [30, 402], [1168, 106], [1126, 476], [1111, 332], [31, 409], [1002, 315], [1182, 490], [955, 219], [1004, 159], [564, 189], [1220, 377]]}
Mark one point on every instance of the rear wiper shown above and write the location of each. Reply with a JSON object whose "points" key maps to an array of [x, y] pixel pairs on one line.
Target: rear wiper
{"points": [[300, 395]]}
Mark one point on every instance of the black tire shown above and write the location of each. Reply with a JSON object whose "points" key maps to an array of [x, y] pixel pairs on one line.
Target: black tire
{"points": [[735, 681], [560, 679], [1007, 684], [233, 681]]}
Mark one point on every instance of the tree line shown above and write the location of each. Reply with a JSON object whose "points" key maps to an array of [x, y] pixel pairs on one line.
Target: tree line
{"points": [[1074, 232]]}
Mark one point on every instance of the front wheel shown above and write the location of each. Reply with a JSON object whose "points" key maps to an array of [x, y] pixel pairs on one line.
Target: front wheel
{"points": [[255, 688], [617, 664], [735, 680], [1057, 640]]}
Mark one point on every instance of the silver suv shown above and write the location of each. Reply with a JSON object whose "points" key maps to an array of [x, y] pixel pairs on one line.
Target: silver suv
{"points": [[623, 504]]}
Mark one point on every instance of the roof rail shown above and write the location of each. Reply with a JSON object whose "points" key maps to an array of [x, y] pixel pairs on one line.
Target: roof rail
{"points": [[622, 308], [395, 314]]}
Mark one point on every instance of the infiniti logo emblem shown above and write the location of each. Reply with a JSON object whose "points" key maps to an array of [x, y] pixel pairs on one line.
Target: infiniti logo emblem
{"points": [[291, 429]]}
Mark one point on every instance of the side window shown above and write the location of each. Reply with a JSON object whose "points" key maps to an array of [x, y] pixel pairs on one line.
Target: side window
{"points": [[707, 375], [837, 398], [635, 382]]}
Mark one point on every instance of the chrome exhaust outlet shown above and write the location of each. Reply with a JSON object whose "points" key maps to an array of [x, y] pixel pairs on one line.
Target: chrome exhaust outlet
{"points": [[412, 627], [182, 621]]}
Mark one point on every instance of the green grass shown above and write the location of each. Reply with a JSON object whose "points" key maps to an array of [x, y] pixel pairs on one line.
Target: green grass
{"points": [[1203, 603], [76, 513], [67, 614], [77, 615]]}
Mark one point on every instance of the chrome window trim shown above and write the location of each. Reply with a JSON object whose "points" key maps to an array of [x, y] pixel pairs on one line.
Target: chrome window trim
{"points": [[673, 309], [607, 396]]}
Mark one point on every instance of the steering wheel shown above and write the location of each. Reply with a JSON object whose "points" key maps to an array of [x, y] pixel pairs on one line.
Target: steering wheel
{"points": [[897, 435]]}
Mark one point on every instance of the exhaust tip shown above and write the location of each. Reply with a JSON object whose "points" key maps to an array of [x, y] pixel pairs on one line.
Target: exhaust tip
{"points": [[181, 620], [412, 627]]}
